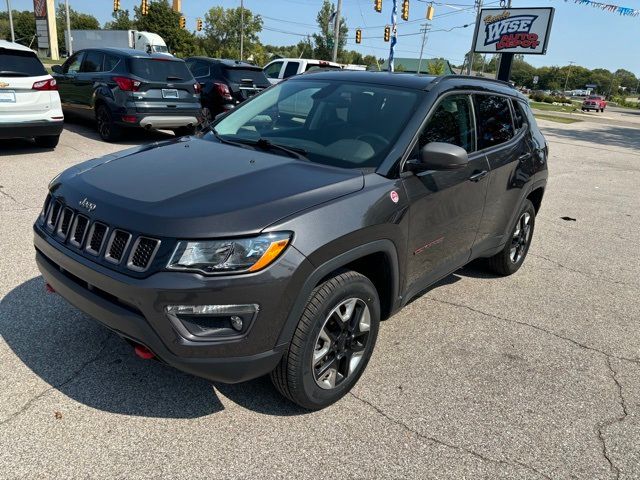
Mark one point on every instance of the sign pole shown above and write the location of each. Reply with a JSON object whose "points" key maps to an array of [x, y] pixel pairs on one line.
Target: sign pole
{"points": [[69, 39]]}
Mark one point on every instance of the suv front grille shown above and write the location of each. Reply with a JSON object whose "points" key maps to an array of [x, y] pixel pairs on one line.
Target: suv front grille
{"points": [[143, 251], [98, 239]]}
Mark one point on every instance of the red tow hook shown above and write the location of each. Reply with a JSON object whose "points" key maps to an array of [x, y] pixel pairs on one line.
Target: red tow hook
{"points": [[143, 352], [48, 288]]}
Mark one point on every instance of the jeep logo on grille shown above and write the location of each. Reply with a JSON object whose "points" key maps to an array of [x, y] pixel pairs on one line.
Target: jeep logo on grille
{"points": [[87, 205]]}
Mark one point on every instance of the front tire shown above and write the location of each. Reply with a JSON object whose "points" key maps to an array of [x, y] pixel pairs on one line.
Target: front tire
{"points": [[50, 141], [333, 342], [511, 257]]}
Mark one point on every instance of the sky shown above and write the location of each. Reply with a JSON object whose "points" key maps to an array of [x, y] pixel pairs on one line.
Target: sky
{"points": [[582, 34]]}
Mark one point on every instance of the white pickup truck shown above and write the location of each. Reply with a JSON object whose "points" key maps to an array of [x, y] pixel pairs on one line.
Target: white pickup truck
{"points": [[281, 68]]}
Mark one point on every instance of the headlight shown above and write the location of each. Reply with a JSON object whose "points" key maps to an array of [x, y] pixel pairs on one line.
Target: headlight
{"points": [[229, 256]]}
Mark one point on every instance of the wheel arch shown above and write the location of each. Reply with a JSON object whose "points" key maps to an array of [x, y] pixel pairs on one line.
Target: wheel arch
{"points": [[377, 260]]}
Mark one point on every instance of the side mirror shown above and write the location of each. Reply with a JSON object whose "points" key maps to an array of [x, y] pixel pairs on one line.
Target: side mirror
{"points": [[57, 69], [439, 156]]}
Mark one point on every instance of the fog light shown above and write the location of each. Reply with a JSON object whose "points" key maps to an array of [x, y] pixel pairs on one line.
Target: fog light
{"points": [[209, 322], [236, 322]]}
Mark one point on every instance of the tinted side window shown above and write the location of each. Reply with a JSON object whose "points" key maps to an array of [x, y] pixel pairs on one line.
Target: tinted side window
{"points": [[519, 117], [291, 69], [273, 70], [451, 122], [73, 64], [110, 62], [199, 69], [493, 117], [93, 62]]}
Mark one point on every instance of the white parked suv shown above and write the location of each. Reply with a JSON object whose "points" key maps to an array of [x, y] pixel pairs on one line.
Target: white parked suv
{"points": [[281, 68], [29, 100]]}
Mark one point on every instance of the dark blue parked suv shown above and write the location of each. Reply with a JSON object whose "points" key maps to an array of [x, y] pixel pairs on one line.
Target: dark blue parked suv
{"points": [[123, 88]]}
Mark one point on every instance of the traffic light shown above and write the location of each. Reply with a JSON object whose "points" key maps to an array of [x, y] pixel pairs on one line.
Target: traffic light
{"points": [[358, 36], [430, 12], [144, 7], [387, 33], [377, 5], [405, 10], [183, 22], [199, 24], [116, 5]]}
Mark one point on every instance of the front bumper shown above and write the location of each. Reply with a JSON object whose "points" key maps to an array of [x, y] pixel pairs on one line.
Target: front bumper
{"points": [[41, 128], [134, 308]]}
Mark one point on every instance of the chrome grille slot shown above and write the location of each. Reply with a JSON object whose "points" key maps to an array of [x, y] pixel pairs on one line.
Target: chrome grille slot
{"points": [[117, 246], [54, 213], [97, 236], [79, 230], [65, 223], [142, 253]]}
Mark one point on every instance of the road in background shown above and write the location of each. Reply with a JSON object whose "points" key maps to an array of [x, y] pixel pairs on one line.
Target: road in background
{"points": [[532, 376]]}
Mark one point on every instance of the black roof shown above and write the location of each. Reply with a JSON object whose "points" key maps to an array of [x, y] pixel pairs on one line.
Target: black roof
{"points": [[227, 62], [411, 80], [130, 52]]}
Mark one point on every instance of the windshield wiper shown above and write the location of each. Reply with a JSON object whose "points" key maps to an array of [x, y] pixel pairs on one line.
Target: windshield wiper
{"points": [[221, 139], [299, 153]]}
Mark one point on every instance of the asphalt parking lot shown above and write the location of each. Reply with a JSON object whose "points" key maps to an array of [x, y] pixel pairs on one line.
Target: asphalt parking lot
{"points": [[532, 376]]}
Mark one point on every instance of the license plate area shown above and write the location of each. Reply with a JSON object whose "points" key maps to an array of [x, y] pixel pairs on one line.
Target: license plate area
{"points": [[170, 93], [7, 96]]}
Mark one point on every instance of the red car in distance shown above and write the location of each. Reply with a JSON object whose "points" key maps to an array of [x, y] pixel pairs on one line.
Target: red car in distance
{"points": [[594, 102]]}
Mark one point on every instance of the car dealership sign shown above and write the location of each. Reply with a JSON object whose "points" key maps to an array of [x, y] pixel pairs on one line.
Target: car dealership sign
{"points": [[513, 30]]}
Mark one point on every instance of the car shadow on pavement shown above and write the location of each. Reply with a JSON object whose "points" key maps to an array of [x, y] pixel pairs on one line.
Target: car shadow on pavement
{"points": [[93, 366], [131, 136], [20, 146], [609, 135]]}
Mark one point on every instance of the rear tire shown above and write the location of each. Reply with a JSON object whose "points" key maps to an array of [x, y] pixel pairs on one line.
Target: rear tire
{"points": [[50, 141], [333, 342], [511, 257], [109, 132]]}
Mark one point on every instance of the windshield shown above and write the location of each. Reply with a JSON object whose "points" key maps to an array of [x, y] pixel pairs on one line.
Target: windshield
{"points": [[160, 49], [160, 70], [349, 125], [18, 63], [246, 75]]}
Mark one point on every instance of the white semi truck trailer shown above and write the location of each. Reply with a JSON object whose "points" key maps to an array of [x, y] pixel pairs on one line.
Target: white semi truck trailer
{"points": [[145, 41]]}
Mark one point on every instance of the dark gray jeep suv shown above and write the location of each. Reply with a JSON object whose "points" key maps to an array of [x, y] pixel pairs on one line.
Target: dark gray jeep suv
{"points": [[277, 241]]}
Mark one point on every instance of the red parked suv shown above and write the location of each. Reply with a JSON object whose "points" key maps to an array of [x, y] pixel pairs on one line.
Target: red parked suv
{"points": [[594, 102]]}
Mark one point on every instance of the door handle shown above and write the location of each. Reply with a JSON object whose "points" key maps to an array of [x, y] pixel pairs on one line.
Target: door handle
{"points": [[476, 177], [524, 157]]}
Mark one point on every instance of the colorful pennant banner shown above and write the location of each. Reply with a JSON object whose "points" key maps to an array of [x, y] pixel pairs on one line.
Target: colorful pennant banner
{"points": [[626, 11]]}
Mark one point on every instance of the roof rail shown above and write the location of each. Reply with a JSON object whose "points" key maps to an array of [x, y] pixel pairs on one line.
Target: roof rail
{"points": [[441, 78]]}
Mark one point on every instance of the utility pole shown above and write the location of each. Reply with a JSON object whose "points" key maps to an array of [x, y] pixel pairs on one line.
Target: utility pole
{"points": [[13, 35], [566, 82], [478, 5], [241, 30], [425, 30], [336, 32], [69, 39]]}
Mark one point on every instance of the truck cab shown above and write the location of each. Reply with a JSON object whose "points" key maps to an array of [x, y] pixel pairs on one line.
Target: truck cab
{"points": [[281, 68]]}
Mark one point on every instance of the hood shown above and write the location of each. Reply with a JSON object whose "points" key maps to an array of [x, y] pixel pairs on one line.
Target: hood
{"points": [[199, 188]]}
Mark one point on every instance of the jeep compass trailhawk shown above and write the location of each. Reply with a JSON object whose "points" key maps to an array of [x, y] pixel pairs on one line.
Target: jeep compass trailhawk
{"points": [[277, 240]]}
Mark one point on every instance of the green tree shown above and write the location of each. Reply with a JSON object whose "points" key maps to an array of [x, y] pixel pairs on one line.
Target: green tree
{"points": [[222, 33], [626, 78], [24, 26], [522, 73], [437, 66], [162, 20], [121, 21], [78, 21], [324, 40]]}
